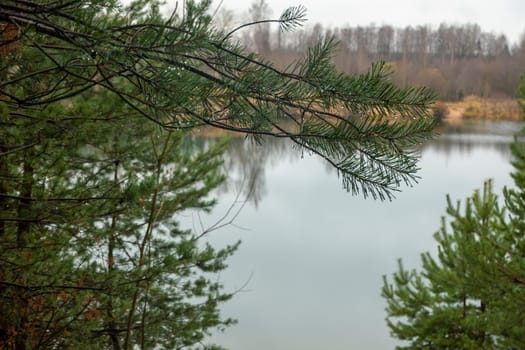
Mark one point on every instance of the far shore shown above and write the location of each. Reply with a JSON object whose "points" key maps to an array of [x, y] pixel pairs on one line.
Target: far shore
{"points": [[473, 107]]}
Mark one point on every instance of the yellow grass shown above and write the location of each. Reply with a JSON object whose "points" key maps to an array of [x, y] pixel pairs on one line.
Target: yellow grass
{"points": [[473, 107]]}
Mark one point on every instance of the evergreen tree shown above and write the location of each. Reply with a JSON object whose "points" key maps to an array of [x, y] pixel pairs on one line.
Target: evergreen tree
{"points": [[472, 294], [93, 255], [95, 98]]}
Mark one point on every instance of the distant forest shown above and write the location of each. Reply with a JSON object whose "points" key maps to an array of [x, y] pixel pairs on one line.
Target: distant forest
{"points": [[454, 60]]}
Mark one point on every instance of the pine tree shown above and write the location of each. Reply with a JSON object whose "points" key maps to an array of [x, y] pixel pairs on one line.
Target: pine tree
{"points": [[471, 295], [95, 100], [93, 253]]}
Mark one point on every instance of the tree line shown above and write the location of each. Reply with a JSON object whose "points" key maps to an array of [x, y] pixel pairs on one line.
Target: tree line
{"points": [[455, 60]]}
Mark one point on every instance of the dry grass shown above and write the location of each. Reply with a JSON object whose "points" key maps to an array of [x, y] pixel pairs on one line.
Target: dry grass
{"points": [[473, 107]]}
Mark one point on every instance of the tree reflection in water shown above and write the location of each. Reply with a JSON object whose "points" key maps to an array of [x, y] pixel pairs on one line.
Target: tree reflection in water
{"points": [[245, 163]]}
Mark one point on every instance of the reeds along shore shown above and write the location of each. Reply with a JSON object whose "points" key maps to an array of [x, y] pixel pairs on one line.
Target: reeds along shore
{"points": [[474, 107]]}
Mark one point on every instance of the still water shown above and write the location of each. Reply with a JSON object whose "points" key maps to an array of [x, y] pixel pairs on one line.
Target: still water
{"points": [[309, 269]]}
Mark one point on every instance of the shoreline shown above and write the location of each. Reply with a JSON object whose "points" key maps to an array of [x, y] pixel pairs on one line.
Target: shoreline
{"points": [[477, 108]]}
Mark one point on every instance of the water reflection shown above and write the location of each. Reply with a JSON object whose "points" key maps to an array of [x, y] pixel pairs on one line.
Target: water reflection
{"points": [[313, 255], [246, 162], [471, 135]]}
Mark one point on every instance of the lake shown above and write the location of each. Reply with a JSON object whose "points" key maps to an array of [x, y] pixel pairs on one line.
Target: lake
{"points": [[308, 273]]}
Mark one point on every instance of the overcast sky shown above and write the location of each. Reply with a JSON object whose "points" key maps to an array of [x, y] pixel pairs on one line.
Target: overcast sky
{"points": [[499, 16]]}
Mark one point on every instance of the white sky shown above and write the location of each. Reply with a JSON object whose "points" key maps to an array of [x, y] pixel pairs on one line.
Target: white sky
{"points": [[498, 16]]}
